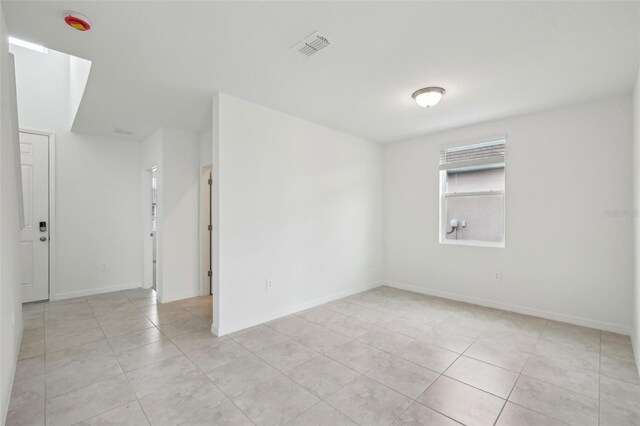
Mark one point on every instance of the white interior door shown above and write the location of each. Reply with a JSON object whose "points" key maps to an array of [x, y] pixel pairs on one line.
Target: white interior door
{"points": [[34, 245]]}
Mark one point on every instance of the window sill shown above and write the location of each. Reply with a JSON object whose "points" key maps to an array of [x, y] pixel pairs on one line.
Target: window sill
{"points": [[472, 243]]}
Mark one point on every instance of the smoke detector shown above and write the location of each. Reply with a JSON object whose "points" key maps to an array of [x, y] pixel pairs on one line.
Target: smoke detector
{"points": [[311, 45], [77, 21]]}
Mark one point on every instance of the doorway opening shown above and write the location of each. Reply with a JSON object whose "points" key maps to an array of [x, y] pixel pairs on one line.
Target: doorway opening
{"points": [[206, 229], [154, 228], [151, 276]]}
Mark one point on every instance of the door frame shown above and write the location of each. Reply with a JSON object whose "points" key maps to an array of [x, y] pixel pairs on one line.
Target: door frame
{"points": [[147, 227], [52, 207], [206, 192]]}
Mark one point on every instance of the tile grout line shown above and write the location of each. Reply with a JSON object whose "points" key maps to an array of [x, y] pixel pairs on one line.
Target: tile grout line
{"points": [[122, 369], [520, 374], [460, 354], [44, 362], [430, 384], [599, 377], [204, 373], [320, 399], [413, 400], [355, 339], [113, 353], [506, 400], [137, 308], [273, 366], [73, 390], [186, 356]]}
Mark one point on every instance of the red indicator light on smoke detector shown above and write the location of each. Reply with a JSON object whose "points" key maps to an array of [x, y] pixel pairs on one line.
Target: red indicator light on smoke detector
{"points": [[77, 21]]}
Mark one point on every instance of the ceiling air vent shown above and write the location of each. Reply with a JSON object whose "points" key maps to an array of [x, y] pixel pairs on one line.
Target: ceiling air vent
{"points": [[311, 45], [121, 131]]}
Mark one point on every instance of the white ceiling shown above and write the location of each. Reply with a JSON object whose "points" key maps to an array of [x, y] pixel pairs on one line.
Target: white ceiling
{"points": [[157, 63]]}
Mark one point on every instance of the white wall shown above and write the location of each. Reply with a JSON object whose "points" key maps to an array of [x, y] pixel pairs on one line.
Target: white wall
{"points": [[206, 147], [79, 70], [98, 197], [98, 214], [215, 212], [564, 257], [300, 204], [10, 289], [180, 213], [176, 153], [635, 334]]}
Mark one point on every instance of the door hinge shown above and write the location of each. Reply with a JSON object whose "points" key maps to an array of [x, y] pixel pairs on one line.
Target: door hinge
{"points": [[210, 181], [210, 228], [209, 274]]}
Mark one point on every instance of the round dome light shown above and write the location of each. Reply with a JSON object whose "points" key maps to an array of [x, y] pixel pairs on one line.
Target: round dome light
{"points": [[77, 21], [429, 96]]}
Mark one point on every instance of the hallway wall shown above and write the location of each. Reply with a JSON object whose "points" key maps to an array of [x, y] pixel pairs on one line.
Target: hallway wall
{"points": [[176, 153], [98, 197], [10, 227], [635, 329]]}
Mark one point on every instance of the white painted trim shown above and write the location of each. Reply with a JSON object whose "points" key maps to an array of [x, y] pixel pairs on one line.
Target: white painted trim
{"points": [[473, 141], [636, 348], [93, 291], [179, 296], [147, 256], [260, 319], [6, 399], [215, 331], [585, 322], [473, 243], [471, 194], [53, 240], [205, 170]]}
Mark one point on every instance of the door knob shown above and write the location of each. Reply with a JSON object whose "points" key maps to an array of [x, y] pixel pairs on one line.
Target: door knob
{"points": [[43, 238]]}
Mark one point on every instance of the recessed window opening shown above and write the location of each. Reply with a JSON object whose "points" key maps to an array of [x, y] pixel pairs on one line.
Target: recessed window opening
{"points": [[472, 193]]}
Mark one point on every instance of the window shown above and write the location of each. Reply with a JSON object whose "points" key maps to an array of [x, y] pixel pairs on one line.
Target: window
{"points": [[472, 194]]}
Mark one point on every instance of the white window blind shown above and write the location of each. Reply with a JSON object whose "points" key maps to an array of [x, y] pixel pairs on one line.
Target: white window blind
{"points": [[473, 157]]}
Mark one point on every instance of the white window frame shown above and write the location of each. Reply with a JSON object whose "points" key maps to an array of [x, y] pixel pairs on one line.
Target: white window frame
{"points": [[442, 226]]}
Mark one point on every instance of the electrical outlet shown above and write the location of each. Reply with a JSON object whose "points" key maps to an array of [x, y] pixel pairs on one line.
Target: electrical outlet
{"points": [[269, 285], [498, 276]]}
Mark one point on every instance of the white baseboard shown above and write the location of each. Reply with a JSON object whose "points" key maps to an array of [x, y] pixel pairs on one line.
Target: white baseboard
{"points": [[92, 291], [261, 319], [585, 322], [174, 297], [215, 330], [6, 397], [636, 347]]}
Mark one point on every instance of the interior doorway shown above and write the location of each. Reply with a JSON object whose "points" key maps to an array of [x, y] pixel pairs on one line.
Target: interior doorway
{"points": [[154, 228], [206, 229], [35, 234], [152, 217]]}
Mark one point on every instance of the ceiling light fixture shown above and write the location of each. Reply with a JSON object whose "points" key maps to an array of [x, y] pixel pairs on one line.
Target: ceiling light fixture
{"points": [[77, 21], [429, 96], [28, 45]]}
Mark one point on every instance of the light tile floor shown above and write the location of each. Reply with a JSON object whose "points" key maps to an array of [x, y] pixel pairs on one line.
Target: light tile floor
{"points": [[381, 357]]}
